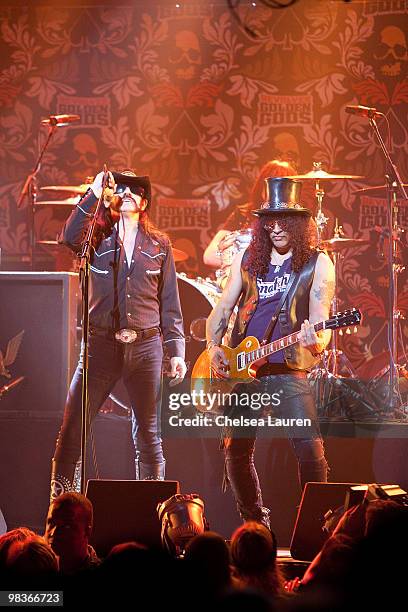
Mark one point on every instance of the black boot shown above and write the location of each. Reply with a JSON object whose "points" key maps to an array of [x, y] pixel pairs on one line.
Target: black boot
{"points": [[154, 471], [62, 478]]}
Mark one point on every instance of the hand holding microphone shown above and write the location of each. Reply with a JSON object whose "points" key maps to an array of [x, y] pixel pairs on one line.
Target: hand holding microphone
{"points": [[99, 183]]}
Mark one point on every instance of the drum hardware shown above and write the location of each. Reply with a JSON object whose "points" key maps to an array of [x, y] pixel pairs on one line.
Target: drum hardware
{"points": [[395, 190], [179, 255], [67, 202], [328, 374], [74, 189], [379, 191], [317, 175]]}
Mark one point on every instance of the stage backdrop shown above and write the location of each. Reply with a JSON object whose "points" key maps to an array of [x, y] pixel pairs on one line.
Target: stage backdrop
{"points": [[199, 99]]}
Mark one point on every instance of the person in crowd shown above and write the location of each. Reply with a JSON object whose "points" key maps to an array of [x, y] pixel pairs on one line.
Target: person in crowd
{"points": [[31, 560], [68, 528], [254, 559]]}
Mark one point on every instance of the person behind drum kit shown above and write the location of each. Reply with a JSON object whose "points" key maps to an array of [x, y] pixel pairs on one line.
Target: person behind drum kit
{"points": [[134, 310], [281, 258], [235, 233]]}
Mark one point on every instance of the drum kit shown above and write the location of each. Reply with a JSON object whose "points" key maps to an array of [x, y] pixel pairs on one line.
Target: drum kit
{"points": [[339, 392], [334, 379]]}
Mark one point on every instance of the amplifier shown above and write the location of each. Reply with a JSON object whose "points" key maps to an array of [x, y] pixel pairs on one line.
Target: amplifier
{"points": [[38, 339]]}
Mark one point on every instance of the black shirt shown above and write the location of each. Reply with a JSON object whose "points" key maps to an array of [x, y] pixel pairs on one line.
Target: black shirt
{"points": [[139, 296]]}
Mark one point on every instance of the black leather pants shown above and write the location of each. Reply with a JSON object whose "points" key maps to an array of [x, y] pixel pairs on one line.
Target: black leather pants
{"points": [[296, 402]]}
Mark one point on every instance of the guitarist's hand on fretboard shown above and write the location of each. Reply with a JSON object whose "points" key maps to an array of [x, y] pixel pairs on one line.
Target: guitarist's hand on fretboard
{"points": [[219, 363], [309, 339]]}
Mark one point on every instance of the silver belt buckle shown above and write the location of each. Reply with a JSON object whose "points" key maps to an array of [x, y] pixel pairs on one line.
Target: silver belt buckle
{"points": [[126, 335]]}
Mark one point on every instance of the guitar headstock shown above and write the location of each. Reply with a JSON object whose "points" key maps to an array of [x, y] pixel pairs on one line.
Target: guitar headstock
{"points": [[346, 318]]}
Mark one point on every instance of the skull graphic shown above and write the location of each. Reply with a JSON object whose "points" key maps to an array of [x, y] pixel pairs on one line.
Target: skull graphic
{"points": [[84, 157], [392, 50], [186, 55], [287, 147]]}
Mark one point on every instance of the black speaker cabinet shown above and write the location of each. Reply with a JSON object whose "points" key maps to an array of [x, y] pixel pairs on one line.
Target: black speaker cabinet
{"points": [[125, 510], [38, 319], [318, 497]]}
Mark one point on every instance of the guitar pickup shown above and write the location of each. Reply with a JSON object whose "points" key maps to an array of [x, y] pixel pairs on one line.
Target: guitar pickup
{"points": [[241, 365]]}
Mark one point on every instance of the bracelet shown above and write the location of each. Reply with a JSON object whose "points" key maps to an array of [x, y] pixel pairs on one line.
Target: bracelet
{"points": [[211, 344]]}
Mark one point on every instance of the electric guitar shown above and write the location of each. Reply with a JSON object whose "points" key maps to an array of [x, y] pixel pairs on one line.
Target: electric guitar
{"points": [[249, 355]]}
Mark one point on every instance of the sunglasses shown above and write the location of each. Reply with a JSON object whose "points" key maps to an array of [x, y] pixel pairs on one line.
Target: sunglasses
{"points": [[136, 190], [269, 226]]}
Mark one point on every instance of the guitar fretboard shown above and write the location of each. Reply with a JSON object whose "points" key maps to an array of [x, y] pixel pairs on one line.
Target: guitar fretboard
{"points": [[278, 345]]}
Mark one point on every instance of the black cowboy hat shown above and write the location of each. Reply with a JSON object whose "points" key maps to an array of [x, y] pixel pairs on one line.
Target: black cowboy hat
{"points": [[283, 196], [134, 182]]}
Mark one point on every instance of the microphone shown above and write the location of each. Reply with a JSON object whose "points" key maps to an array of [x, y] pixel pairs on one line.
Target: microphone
{"points": [[363, 111], [60, 120]]}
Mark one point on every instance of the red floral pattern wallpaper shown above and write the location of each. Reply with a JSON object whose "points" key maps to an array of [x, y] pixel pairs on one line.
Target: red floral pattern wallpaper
{"points": [[199, 100]]}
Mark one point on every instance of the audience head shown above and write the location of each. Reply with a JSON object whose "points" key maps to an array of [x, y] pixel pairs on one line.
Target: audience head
{"points": [[253, 548], [209, 554], [31, 557], [7, 539], [253, 556], [69, 525]]}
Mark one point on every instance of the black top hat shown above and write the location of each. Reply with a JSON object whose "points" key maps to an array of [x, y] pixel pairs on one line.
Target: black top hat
{"points": [[131, 180], [283, 196]]}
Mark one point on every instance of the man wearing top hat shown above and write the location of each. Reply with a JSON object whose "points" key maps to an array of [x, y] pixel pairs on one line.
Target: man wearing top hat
{"points": [[282, 251], [134, 310]]}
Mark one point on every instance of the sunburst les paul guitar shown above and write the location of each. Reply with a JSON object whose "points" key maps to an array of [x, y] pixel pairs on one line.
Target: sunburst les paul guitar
{"points": [[245, 359]]}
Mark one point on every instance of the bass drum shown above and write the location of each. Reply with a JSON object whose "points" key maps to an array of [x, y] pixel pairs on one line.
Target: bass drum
{"points": [[198, 296]]}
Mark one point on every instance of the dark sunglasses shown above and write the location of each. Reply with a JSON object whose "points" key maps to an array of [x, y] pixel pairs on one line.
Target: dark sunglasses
{"points": [[136, 190], [269, 226]]}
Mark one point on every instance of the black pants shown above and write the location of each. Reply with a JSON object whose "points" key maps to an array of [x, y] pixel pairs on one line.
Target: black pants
{"points": [[296, 402], [140, 365]]}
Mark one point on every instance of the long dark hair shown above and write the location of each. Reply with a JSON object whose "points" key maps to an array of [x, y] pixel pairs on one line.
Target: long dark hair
{"points": [[303, 239], [109, 217]]}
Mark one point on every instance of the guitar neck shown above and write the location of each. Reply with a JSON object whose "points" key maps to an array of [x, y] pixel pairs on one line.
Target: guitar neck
{"points": [[278, 345]]}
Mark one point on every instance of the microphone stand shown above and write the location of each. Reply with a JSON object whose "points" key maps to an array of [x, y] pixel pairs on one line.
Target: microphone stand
{"points": [[30, 189], [84, 275], [394, 184]]}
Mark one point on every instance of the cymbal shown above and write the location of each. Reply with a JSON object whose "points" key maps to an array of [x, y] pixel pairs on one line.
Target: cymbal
{"points": [[337, 244], [179, 255], [379, 190], [321, 175], [67, 202], [77, 189]]}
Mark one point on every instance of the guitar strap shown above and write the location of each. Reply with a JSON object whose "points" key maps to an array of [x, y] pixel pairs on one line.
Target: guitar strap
{"points": [[274, 319]]}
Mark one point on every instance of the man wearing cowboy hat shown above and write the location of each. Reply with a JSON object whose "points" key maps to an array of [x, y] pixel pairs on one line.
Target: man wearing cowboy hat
{"points": [[281, 273], [134, 310]]}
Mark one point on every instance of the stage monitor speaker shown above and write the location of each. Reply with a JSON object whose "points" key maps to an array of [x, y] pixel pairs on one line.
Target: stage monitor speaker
{"points": [[38, 320], [125, 510], [318, 497]]}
